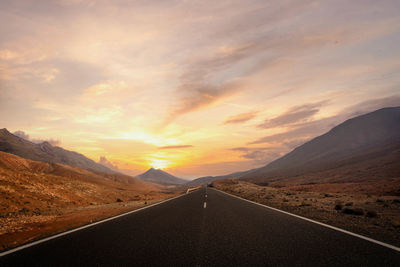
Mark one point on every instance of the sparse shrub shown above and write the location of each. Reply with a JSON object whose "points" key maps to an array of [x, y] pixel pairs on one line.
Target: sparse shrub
{"points": [[379, 200], [24, 210], [327, 195], [347, 211], [304, 204], [338, 207], [119, 200], [371, 214], [285, 200], [348, 204], [357, 211]]}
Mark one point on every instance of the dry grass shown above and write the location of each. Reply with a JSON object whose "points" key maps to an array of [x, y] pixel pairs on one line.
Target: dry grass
{"points": [[371, 215]]}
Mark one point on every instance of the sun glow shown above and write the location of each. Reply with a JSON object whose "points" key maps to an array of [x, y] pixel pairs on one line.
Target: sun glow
{"points": [[159, 163]]}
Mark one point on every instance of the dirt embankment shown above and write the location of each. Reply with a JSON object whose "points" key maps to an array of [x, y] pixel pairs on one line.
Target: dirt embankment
{"points": [[38, 199], [375, 216]]}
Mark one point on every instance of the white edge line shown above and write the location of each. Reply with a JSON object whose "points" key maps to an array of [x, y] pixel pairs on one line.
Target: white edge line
{"points": [[316, 222], [85, 226]]}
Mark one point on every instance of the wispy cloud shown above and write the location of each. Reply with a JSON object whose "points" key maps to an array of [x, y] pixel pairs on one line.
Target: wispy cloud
{"points": [[303, 131], [293, 115], [240, 118], [201, 97], [258, 154], [26, 136], [104, 161]]}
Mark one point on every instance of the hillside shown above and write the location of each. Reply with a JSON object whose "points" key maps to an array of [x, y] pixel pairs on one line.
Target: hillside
{"points": [[39, 198], [161, 177], [210, 179], [366, 137], [46, 152]]}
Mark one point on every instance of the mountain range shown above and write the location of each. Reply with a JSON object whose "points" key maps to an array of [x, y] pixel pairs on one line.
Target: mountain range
{"points": [[372, 138], [45, 152], [347, 143], [355, 147], [161, 177], [209, 179]]}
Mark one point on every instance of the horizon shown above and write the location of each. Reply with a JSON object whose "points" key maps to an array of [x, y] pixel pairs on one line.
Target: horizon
{"points": [[173, 86]]}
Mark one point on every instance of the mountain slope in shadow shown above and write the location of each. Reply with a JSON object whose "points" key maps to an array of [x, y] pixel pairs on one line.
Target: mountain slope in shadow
{"points": [[366, 137]]}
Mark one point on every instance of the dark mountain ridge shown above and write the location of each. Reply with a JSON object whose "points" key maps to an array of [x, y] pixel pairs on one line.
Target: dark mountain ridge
{"points": [[355, 139]]}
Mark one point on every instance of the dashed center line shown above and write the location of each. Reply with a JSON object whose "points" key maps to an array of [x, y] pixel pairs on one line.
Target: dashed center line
{"points": [[205, 204]]}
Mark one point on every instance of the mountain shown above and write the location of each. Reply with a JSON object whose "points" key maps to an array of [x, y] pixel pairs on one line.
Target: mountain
{"points": [[362, 138], [46, 152], [21, 165], [161, 177], [210, 179]]}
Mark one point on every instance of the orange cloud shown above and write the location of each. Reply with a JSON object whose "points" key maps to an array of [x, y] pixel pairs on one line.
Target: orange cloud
{"points": [[243, 117]]}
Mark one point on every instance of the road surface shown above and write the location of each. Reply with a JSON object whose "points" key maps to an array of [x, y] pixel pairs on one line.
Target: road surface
{"points": [[200, 230]]}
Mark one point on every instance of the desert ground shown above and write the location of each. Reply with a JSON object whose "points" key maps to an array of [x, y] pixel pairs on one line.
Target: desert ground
{"points": [[371, 213]]}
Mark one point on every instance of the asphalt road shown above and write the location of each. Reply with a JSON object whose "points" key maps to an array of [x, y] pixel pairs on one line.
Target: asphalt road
{"points": [[225, 231]]}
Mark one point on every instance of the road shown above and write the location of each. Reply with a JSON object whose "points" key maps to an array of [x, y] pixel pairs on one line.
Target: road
{"points": [[226, 231]]}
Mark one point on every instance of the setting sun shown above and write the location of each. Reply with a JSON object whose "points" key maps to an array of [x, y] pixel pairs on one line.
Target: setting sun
{"points": [[159, 164]]}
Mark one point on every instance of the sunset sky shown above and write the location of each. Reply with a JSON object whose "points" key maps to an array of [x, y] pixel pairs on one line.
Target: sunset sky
{"points": [[193, 87]]}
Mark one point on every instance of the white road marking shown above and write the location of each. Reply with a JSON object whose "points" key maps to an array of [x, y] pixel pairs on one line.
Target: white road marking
{"points": [[322, 224], [205, 204], [83, 227], [206, 195]]}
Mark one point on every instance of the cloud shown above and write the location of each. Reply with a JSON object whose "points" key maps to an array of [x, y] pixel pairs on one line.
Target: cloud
{"points": [[23, 135], [304, 131], [259, 154], [105, 162], [201, 96], [121, 167], [293, 115], [371, 105], [175, 147], [240, 118], [210, 76]]}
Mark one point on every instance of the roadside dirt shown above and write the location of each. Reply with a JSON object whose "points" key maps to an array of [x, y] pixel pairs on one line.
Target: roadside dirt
{"points": [[17, 230], [375, 216]]}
